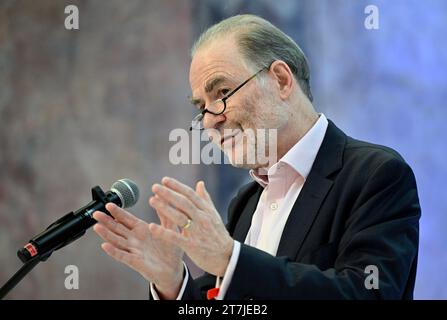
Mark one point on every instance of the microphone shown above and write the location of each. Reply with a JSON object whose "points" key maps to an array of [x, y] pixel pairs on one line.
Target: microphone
{"points": [[124, 193]]}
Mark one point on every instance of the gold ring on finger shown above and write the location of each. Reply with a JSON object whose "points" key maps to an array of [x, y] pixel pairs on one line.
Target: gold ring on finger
{"points": [[187, 224]]}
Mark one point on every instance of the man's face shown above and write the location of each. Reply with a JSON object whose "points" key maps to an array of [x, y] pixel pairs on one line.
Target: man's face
{"points": [[218, 68]]}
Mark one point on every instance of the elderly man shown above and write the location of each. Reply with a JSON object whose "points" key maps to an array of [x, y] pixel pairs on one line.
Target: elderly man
{"points": [[333, 218]]}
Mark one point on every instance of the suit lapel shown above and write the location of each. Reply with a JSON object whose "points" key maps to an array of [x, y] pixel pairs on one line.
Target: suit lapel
{"points": [[317, 185], [243, 225], [303, 214]]}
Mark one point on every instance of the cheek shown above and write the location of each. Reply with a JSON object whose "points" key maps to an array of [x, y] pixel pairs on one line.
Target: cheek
{"points": [[272, 113], [248, 114], [240, 116], [262, 115], [259, 112]]}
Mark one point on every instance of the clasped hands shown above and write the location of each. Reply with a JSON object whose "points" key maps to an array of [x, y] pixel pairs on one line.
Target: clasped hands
{"points": [[189, 223]]}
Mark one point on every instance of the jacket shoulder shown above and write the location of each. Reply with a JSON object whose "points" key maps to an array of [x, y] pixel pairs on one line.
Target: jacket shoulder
{"points": [[370, 154]]}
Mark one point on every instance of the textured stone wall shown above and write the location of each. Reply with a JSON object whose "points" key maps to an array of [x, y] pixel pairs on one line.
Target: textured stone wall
{"points": [[84, 108]]}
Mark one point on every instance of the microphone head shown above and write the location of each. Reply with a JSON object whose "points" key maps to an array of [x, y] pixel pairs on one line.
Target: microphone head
{"points": [[127, 191]]}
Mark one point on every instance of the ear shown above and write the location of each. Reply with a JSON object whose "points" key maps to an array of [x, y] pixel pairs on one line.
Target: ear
{"points": [[283, 77]]}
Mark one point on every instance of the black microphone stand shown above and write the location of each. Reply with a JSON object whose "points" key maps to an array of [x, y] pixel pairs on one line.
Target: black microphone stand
{"points": [[31, 262], [19, 275]]}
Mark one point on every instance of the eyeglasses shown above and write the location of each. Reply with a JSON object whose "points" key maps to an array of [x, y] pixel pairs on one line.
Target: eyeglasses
{"points": [[219, 106]]}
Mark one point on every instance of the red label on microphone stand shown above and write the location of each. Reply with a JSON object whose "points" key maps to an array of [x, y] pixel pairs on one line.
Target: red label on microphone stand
{"points": [[31, 249]]}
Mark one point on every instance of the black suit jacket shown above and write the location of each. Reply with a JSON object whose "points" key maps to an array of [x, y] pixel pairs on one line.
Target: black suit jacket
{"points": [[358, 207]]}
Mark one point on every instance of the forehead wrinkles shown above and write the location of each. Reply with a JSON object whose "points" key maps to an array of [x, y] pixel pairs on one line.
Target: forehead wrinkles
{"points": [[201, 76]]}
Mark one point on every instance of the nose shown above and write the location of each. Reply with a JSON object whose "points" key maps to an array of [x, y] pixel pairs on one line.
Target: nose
{"points": [[211, 121]]}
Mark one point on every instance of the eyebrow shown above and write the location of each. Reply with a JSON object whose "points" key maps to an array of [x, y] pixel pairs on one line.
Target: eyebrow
{"points": [[210, 84], [209, 87], [195, 101]]}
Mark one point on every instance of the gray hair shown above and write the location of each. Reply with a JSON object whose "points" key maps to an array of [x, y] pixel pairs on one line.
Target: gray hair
{"points": [[261, 43]]}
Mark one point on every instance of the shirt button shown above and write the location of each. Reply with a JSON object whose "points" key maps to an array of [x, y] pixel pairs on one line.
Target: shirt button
{"points": [[273, 206]]}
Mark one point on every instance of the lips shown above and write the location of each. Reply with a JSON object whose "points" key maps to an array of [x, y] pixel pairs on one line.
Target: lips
{"points": [[226, 138]]}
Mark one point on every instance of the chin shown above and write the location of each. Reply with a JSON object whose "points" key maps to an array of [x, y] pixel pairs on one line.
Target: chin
{"points": [[241, 165], [239, 159], [244, 165]]}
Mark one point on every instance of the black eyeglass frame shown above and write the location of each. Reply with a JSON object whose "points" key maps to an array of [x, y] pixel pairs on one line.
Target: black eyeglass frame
{"points": [[198, 118]]}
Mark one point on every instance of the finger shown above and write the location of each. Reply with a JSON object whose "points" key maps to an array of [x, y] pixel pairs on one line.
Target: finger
{"points": [[176, 200], [202, 192], [111, 237], [165, 210], [111, 224], [123, 216], [158, 232], [184, 190], [119, 254], [163, 220]]}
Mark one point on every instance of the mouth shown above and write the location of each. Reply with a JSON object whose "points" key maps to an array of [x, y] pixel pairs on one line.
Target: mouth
{"points": [[229, 137]]}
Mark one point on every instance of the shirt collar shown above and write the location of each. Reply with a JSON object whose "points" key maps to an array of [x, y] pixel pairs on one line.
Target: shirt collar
{"points": [[302, 155]]}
